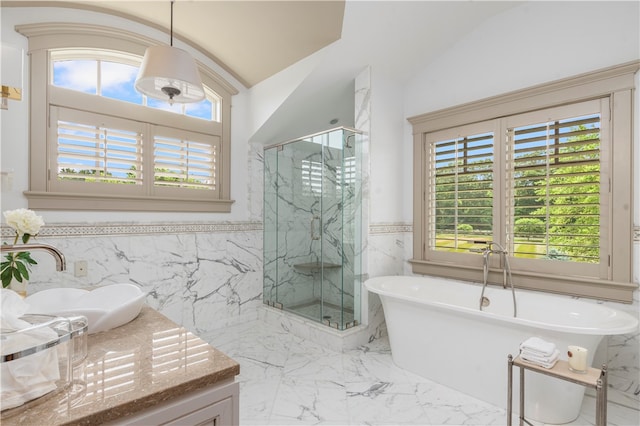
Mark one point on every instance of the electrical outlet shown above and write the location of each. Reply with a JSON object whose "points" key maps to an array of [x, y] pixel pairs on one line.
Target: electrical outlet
{"points": [[81, 268]]}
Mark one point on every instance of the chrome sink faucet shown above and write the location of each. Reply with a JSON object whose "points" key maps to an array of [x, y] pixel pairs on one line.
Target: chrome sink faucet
{"points": [[61, 263]]}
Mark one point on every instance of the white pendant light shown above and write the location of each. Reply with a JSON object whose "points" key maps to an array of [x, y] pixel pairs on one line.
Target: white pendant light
{"points": [[169, 74]]}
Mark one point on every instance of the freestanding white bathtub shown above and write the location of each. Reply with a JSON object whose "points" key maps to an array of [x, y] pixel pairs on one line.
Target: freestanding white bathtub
{"points": [[437, 331]]}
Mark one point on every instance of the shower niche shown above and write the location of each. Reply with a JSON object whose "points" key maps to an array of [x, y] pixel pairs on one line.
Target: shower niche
{"points": [[312, 227]]}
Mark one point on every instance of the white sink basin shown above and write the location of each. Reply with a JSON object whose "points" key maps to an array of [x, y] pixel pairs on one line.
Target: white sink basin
{"points": [[105, 307]]}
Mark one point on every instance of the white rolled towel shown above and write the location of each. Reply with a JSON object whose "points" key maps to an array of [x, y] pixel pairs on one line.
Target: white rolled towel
{"points": [[538, 346], [542, 361]]}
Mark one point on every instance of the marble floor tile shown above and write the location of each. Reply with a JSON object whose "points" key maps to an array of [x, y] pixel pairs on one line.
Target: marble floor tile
{"points": [[372, 365], [377, 402], [309, 402], [262, 400], [286, 380]]}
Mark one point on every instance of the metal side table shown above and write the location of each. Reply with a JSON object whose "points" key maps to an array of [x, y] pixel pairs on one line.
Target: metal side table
{"points": [[593, 378]]}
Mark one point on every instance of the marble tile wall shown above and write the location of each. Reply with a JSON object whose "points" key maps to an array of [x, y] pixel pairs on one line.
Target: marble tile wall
{"points": [[622, 353], [371, 307], [201, 275]]}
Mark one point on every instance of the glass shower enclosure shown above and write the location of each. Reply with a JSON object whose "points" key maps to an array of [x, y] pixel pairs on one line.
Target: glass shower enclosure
{"points": [[312, 227]]}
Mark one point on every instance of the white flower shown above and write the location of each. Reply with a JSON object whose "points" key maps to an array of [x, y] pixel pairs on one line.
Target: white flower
{"points": [[24, 221]]}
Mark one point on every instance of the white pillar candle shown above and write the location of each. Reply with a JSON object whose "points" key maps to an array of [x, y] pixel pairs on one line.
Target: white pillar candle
{"points": [[577, 358]]}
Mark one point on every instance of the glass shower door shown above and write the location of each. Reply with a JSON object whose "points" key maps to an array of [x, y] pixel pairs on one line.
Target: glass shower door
{"points": [[311, 225], [299, 223]]}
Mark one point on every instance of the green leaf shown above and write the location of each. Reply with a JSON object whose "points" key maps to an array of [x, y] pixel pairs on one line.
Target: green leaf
{"points": [[7, 274], [23, 270], [25, 238], [6, 280], [16, 274], [26, 256], [8, 271]]}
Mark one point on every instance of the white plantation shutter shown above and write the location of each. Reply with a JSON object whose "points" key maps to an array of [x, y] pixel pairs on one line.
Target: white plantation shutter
{"points": [[184, 163], [556, 166], [103, 154], [95, 149], [460, 192], [126, 156], [540, 190]]}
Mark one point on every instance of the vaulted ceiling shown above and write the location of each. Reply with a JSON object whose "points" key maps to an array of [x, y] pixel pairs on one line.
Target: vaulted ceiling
{"points": [[251, 39], [256, 39]]}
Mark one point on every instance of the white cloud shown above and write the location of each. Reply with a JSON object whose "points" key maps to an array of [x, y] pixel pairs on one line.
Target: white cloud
{"points": [[77, 75], [82, 75], [114, 75]]}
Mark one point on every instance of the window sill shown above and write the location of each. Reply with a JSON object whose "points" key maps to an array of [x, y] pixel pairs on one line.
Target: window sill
{"points": [[571, 285], [66, 201]]}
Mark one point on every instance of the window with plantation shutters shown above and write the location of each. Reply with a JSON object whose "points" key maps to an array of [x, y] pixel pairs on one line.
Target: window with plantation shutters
{"points": [[544, 173], [549, 163], [124, 156], [97, 144]]}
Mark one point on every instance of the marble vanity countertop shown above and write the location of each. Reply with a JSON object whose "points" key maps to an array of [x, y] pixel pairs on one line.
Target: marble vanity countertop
{"points": [[136, 366]]}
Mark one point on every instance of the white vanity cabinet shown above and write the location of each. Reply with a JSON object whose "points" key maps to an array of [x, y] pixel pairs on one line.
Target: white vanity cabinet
{"points": [[215, 406]]}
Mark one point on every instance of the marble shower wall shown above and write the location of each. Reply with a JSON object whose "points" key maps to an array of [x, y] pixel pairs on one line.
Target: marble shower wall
{"points": [[203, 276]]}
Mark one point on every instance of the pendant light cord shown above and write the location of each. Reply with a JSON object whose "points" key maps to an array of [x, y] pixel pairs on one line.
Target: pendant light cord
{"points": [[171, 23]]}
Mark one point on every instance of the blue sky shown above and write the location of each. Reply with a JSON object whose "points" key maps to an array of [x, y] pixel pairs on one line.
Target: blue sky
{"points": [[116, 82]]}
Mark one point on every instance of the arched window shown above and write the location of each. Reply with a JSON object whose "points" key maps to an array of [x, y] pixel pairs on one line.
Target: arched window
{"points": [[103, 145], [112, 75]]}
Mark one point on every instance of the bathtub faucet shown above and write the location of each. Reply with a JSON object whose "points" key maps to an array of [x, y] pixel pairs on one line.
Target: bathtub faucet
{"points": [[495, 248], [61, 263]]}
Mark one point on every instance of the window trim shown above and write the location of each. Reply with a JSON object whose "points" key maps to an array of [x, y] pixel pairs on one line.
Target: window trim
{"points": [[45, 36], [616, 82]]}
